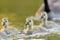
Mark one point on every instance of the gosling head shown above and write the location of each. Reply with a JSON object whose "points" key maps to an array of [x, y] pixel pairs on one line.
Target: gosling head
{"points": [[43, 15], [29, 22], [4, 21]]}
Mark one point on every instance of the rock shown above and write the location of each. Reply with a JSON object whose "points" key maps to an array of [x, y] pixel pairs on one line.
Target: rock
{"points": [[28, 33], [11, 31], [3, 35]]}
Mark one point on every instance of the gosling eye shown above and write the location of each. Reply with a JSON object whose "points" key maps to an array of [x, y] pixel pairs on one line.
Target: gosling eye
{"points": [[42, 16], [5, 21], [29, 20]]}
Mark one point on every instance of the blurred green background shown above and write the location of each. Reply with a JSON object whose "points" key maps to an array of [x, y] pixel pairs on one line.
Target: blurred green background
{"points": [[18, 10]]}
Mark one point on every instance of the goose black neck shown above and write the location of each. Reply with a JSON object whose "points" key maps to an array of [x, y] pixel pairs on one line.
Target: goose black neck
{"points": [[46, 8]]}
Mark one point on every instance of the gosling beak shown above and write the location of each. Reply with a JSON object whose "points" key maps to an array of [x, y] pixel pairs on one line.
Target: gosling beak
{"points": [[27, 23], [41, 17]]}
